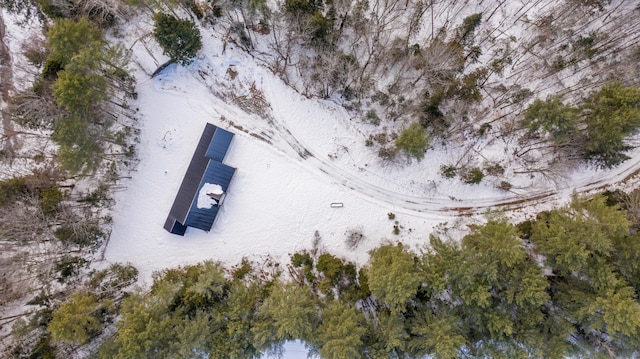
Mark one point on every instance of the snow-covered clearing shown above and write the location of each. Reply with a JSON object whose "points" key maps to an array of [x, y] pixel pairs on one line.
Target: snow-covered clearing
{"points": [[294, 157]]}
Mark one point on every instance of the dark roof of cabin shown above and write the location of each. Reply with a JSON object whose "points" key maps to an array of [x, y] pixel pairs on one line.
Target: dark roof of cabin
{"points": [[205, 167], [203, 218], [219, 145], [192, 177]]}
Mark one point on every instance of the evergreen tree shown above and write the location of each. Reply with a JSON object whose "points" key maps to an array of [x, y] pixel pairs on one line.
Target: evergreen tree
{"points": [[489, 287], [555, 118], [179, 38], [339, 334], [392, 275], [66, 38], [613, 113], [413, 140], [76, 321], [579, 243], [290, 312]]}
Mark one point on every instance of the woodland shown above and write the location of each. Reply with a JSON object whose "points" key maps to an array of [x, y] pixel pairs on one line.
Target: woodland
{"points": [[565, 284]]}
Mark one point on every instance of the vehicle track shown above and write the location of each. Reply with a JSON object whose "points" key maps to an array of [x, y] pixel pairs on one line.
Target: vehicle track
{"points": [[284, 141]]}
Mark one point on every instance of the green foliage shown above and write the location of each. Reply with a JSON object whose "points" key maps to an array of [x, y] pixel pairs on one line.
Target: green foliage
{"points": [[468, 88], [339, 335], [192, 312], [331, 267], [80, 149], [413, 140], [68, 37], [610, 115], [431, 116], [321, 27], [69, 267], [467, 29], [300, 259], [448, 171], [440, 336], [392, 275], [78, 92], [485, 296], [180, 39], [494, 292], [613, 113], [83, 67], [291, 311], [12, 188], [581, 244], [553, 117], [76, 321], [302, 6], [473, 176], [50, 198], [51, 69]]}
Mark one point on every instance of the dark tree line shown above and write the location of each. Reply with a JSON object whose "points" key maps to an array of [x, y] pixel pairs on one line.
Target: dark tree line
{"points": [[565, 284]]}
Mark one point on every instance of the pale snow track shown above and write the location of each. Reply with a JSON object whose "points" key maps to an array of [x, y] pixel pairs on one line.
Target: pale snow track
{"points": [[283, 141]]}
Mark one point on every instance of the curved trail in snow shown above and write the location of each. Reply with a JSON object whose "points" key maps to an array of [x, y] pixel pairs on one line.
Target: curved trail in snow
{"points": [[439, 205], [281, 139]]}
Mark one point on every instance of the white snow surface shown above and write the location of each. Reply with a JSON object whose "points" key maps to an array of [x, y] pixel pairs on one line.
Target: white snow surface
{"points": [[204, 200], [294, 157]]}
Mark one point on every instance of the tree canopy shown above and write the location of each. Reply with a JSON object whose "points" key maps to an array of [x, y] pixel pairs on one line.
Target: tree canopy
{"points": [[180, 39]]}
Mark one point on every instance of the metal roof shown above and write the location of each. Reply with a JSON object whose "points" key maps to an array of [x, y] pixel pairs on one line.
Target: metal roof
{"points": [[202, 218], [219, 145], [205, 167]]}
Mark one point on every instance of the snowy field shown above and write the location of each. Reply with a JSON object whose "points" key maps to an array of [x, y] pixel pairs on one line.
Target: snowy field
{"points": [[294, 157], [275, 203]]}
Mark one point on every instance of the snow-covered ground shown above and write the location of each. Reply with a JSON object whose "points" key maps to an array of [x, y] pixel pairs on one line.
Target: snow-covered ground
{"points": [[274, 205], [294, 157]]}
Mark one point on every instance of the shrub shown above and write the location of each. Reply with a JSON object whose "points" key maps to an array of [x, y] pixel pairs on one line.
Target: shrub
{"points": [[69, 266], [372, 117], [505, 186], [448, 171], [413, 141], [330, 266], [242, 271], [300, 259], [12, 188], [494, 169], [49, 200], [354, 237], [473, 176], [180, 39]]}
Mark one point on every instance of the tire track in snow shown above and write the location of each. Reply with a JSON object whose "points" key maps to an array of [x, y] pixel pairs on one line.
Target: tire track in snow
{"points": [[296, 150]]}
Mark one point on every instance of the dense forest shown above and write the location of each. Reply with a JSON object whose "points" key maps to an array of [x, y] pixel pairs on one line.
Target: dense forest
{"points": [[422, 73], [562, 285]]}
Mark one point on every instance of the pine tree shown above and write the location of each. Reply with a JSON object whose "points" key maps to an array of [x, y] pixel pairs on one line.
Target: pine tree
{"points": [[579, 243], [339, 335], [76, 321], [180, 39], [613, 113], [291, 311], [413, 140], [555, 118], [67, 37], [392, 275], [491, 285]]}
